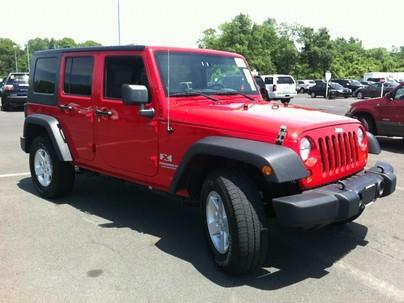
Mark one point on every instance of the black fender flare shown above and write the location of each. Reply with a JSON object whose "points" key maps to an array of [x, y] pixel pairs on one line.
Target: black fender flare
{"points": [[285, 163], [373, 144], [54, 131]]}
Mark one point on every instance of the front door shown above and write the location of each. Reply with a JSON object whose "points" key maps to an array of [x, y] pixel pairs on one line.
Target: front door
{"points": [[76, 103], [392, 114], [126, 143]]}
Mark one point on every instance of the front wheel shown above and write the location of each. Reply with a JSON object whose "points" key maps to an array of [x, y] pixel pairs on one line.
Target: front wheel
{"points": [[367, 123], [235, 222], [313, 94], [360, 95], [51, 177]]}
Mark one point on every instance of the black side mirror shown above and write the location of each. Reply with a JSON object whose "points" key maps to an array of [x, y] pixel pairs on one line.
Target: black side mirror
{"points": [[390, 96], [135, 94]]}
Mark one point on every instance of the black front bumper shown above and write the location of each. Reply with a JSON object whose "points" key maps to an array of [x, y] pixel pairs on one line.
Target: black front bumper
{"points": [[336, 202]]}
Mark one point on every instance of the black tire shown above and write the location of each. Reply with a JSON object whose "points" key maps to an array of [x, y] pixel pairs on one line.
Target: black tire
{"points": [[285, 101], [360, 95], [62, 176], [367, 123], [247, 222], [313, 95], [5, 107], [301, 90]]}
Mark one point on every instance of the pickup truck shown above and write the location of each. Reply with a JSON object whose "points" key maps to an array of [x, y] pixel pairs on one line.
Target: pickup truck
{"points": [[192, 123]]}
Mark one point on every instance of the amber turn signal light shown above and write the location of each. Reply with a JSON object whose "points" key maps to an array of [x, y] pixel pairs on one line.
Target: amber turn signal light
{"points": [[267, 170]]}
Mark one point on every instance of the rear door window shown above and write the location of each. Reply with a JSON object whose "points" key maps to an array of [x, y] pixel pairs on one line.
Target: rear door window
{"points": [[78, 75]]}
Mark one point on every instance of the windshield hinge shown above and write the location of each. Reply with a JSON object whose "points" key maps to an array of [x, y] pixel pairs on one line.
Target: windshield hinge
{"points": [[282, 134]]}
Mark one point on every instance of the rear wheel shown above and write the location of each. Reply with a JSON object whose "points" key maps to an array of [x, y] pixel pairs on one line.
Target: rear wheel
{"points": [[367, 123], [359, 95], [51, 177], [235, 222], [313, 94], [5, 107]]}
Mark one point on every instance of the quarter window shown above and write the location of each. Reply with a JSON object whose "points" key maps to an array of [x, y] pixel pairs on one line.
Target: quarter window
{"points": [[269, 80], [78, 75], [45, 75]]}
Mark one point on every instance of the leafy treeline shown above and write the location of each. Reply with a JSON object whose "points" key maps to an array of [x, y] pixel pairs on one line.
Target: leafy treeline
{"points": [[299, 50], [10, 51]]}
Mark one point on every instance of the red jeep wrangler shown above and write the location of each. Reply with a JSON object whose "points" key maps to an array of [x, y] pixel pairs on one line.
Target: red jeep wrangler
{"points": [[192, 122]]}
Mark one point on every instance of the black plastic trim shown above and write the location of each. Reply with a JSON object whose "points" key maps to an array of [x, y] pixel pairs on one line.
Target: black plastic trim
{"points": [[373, 144], [336, 202], [51, 125], [285, 163]]}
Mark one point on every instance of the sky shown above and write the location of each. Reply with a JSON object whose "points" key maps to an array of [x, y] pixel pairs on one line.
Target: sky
{"points": [[181, 23]]}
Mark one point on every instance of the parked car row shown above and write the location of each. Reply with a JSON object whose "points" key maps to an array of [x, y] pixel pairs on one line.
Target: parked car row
{"points": [[14, 91]]}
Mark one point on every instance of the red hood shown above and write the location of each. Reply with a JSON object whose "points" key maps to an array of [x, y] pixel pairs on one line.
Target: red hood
{"points": [[260, 118]]}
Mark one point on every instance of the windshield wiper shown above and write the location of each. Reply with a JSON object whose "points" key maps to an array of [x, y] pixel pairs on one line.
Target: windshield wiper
{"points": [[236, 93], [180, 94]]}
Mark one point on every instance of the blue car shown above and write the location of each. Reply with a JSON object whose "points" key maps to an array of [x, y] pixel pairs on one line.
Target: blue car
{"points": [[15, 91]]}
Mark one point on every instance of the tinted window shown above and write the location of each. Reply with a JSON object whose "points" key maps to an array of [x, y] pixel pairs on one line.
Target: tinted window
{"points": [[207, 73], [269, 80], [122, 70], [78, 75], [18, 79], [45, 75], [285, 80], [259, 81], [336, 86], [399, 94]]}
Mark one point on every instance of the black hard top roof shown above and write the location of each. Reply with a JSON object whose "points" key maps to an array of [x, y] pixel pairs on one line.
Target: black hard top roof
{"points": [[90, 49]]}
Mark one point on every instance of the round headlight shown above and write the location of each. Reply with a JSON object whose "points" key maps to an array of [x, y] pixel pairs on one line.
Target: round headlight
{"points": [[305, 148], [361, 136]]}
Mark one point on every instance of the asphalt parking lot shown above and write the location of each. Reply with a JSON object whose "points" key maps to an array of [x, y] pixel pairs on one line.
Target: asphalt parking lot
{"points": [[112, 242]]}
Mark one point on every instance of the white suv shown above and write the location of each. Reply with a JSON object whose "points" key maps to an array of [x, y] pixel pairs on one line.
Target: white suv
{"points": [[280, 87], [303, 86]]}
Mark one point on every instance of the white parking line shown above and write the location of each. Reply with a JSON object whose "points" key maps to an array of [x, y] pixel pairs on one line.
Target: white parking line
{"points": [[399, 188], [14, 175], [381, 286]]}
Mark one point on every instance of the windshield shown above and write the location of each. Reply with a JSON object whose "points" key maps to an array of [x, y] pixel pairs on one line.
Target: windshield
{"points": [[18, 79], [336, 86], [209, 74], [356, 83]]}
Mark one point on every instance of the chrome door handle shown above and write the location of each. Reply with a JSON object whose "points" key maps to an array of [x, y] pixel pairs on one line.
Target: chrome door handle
{"points": [[65, 107], [105, 113]]}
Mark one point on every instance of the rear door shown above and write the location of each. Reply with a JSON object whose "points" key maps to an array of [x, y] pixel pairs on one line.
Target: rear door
{"points": [[76, 102], [126, 142]]}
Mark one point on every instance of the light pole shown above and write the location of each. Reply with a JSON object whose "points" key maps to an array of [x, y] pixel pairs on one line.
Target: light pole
{"points": [[15, 59], [28, 63], [119, 24]]}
